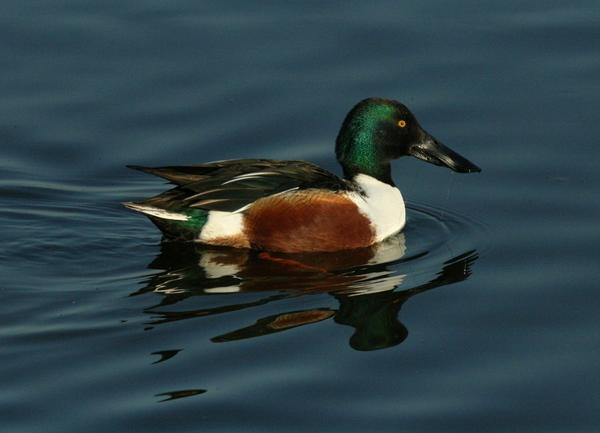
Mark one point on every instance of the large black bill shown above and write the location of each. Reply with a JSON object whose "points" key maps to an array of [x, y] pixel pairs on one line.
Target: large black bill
{"points": [[434, 152]]}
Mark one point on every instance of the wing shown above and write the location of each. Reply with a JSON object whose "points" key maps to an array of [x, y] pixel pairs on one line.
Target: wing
{"points": [[232, 185]]}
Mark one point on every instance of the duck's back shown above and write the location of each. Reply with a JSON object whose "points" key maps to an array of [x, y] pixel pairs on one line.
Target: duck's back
{"points": [[289, 206]]}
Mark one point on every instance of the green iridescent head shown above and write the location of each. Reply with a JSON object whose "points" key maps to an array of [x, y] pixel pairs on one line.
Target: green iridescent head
{"points": [[378, 130]]}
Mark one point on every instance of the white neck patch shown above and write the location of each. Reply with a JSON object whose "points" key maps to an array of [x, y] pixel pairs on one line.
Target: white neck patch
{"points": [[382, 204]]}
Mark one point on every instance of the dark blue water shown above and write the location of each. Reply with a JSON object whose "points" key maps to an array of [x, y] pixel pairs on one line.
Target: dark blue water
{"points": [[481, 316]]}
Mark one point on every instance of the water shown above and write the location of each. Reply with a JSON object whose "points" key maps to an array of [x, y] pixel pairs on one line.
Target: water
{"points": [[481, 316]]}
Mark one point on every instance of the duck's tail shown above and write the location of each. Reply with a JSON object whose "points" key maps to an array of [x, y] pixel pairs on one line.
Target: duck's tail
{"points": [[156, 212], [185, 225]]}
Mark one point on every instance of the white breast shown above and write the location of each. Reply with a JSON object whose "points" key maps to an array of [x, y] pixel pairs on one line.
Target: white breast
{"points": [[382, 204]]}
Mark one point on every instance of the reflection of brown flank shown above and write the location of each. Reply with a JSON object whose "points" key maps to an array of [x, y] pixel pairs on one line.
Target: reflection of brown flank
{"points": [[331, 261], [290, 263], [289, 320], [307, 221]]}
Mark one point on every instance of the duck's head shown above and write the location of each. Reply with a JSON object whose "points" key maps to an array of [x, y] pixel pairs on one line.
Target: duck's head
{"points": [[378, 130]]}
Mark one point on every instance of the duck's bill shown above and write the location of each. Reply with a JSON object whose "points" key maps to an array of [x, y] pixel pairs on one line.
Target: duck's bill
{"points": [[432, 151]]}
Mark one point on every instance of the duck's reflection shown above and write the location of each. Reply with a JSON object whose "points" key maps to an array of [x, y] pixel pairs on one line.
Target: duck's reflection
{"points": [[370, 285]]}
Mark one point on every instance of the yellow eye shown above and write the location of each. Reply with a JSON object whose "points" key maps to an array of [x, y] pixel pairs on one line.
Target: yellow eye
{"points": [[401, 123]]}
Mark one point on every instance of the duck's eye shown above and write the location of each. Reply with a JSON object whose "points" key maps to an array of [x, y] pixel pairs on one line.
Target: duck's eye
{"points": [[402, 123]]}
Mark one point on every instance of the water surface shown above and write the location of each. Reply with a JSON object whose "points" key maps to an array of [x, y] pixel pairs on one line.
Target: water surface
{"points": [[480, 316]]}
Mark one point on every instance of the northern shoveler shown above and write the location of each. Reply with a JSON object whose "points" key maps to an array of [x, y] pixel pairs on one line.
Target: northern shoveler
{"points": [[296, 206]]}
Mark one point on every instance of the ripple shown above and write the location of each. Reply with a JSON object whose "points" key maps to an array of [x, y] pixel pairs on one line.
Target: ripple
{"points": [[182, 393]]}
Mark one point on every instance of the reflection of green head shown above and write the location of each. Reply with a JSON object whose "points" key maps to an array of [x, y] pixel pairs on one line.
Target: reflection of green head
{"points": [[375, 319]]}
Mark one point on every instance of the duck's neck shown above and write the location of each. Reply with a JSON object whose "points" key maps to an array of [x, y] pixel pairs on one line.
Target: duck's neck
{"points": [[382, 172]]}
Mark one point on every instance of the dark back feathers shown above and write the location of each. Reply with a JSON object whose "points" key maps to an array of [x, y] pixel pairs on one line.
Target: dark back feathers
{"points": [[231, 185]]}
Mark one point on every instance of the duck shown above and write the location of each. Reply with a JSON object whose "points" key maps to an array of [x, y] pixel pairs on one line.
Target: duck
{"points": [[297, 206]]}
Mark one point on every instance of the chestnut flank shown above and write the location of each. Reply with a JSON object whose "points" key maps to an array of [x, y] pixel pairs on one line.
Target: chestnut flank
{"points": [[307, 221]]}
